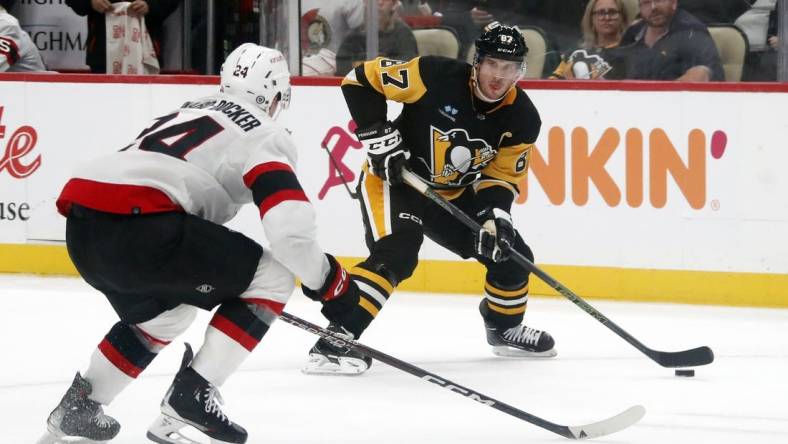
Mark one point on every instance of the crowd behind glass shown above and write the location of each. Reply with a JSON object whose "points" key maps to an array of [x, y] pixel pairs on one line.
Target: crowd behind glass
{"points": [[689, 40]]}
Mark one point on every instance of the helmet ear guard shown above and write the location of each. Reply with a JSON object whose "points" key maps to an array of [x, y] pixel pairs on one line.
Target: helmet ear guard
{"points": [[257, 75]]}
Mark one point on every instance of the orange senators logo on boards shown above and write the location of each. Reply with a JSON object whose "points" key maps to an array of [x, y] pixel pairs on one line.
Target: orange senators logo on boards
{"points": [[456, 158]]}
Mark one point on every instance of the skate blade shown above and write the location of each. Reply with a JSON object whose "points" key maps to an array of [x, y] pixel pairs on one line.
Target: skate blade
{"points": [[52, 438], [168, 430], [344, 366], [165, 430], [55, 436], [511, 352]]}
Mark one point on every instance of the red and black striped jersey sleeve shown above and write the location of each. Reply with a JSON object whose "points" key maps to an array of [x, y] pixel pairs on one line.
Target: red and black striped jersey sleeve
{"points": [[273, 183], [9, 53]]}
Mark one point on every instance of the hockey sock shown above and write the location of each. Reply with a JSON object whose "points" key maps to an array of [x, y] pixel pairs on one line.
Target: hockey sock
{"points": [[235, 330], [120, 357], [374, 291], [504, 305]]}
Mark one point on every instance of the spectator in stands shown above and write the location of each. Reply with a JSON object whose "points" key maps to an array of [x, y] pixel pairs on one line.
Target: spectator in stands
{"points": [[755, 23], [324, 26], [395, 40], [153, 11], [468, 17], [771, 33], [414, 7], [418, 14], [759, 25], [716, 11], [762, 65], [603, 25], [17, 50], [670, 44], [559, 20]]}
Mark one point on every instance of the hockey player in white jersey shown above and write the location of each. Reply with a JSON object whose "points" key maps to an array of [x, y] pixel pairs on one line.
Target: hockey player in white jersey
{"points": [[17, 50], [144, 228]]}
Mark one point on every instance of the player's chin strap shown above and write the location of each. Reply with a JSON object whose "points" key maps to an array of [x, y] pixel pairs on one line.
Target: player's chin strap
{"points": [[687, 358]]}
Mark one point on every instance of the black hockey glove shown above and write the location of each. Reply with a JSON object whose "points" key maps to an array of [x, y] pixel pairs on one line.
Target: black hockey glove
{"points": [[496, 236], [385, 154], [339, 293]]}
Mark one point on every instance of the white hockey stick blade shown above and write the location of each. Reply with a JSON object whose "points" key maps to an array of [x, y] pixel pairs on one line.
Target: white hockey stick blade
{"points": [[611, 425]]}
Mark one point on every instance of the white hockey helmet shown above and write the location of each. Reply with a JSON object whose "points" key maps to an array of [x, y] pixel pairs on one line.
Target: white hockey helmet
{"points": [[258, 75]]}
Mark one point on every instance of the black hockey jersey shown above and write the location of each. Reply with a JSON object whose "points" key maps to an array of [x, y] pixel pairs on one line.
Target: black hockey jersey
{"points": [[455, 140]]}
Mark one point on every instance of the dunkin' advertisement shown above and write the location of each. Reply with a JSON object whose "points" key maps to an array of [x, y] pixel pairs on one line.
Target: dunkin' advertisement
{"points": [[635, 179]]}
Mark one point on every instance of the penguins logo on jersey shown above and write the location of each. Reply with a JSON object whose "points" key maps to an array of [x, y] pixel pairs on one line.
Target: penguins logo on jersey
{"points": [[588, 66], [456, 158]]}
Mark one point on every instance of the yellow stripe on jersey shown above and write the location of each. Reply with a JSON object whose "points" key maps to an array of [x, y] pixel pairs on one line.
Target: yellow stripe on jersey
{"points": [[449, 193], [366, 305], [487, 183], [398, 81], [506, 293], [507, 311], [376, 278], [376, 203], [350, 79], [510, 164]]}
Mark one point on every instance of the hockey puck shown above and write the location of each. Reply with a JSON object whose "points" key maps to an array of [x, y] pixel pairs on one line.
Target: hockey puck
{"points": [[685, 372]]}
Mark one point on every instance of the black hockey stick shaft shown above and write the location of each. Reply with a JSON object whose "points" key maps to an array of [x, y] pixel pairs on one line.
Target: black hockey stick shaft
{"points": [[610, 425], [687, 358]]}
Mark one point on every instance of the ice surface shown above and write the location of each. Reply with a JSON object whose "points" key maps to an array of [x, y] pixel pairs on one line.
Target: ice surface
{"points": [[49, 327]]}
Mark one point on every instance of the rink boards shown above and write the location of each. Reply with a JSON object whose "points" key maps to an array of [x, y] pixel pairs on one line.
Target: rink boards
{"points": [[636, 191]]}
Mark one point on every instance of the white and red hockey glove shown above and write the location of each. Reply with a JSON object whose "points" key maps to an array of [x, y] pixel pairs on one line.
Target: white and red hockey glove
{"points": [[339, 293]]}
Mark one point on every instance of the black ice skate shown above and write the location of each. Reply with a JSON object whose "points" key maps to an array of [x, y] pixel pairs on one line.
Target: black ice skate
{"points": [[78, 419], [328, 359], [193, 401], [520, 341]]}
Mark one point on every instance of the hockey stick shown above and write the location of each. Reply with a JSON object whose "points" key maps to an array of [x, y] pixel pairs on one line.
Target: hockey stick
{"points": [[605, 427], [687, 358]]}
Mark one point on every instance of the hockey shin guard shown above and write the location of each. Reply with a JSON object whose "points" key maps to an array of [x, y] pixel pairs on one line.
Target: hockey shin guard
{"points": [[120, 357], [235, 330]]}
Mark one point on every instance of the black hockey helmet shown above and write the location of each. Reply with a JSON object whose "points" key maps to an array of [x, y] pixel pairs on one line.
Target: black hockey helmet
{"points": [[501, 42]]}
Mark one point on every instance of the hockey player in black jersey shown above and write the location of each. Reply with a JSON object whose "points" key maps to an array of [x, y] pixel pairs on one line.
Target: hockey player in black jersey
{"points": [[468, 130]]}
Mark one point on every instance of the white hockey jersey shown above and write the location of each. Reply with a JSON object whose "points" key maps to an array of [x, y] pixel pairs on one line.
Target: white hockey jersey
{"points": [[208, 158], [17, 50]]}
